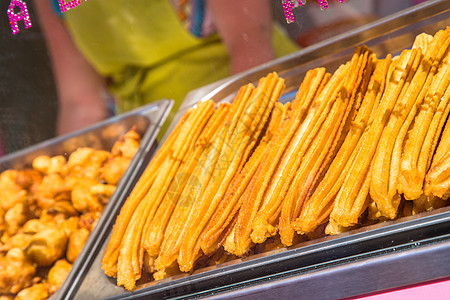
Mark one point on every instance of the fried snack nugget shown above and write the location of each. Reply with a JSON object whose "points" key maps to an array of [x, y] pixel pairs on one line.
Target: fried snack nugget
{"points": [[39, 223]]}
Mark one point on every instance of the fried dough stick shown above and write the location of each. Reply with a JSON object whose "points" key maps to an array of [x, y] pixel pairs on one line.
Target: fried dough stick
{"points": [[154, 236], [197, 184], [318, 208], [438, 178], [383, 186], [384, 182], [109, 260], [334, 105], [215, 231], [419, 146], [322, 149], [238, 242], [437, 181], [256, 116], [422, 41], [351, 199], [131, 253]]}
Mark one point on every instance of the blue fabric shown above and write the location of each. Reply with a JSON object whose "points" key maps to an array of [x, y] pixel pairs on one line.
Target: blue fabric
{"points": [[198, 11], [56, 8]]}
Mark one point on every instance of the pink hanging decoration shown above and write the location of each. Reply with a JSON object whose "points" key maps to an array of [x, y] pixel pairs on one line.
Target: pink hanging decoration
{"points": [[15, 18], [323, 4], [65, 6], [288, 6]]}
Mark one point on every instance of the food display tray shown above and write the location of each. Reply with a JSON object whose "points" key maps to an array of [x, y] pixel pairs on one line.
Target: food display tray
{"points": [[148, 121], [281, 272]]}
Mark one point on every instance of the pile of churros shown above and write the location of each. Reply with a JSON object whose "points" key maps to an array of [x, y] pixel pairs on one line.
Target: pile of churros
{"points": [[368, 143]]}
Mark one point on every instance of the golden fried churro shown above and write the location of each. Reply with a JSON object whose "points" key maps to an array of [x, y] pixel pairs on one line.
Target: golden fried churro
{"points": [[437, 181], [384, 184], [256, 114], [321, 150], [422, 41], [351, 199], [239, 242], [131, 250], [216, 229], [171, 199], [197, 184], [419, 146], [334, 103], [109, 260], [317, 209], [383, 188]]}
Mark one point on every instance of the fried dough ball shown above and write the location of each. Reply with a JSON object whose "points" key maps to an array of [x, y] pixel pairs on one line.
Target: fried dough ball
{"points": [[89, 220], [29, 179], [19, 240], [47, 246], [35, 225], [58, 274], [102, 192], [70, 225], [50, 165], [48, 212], [16, 272], [63, 207], [36, 292], [51, 186], [115, 168], [127, 145], [76, 243], [53, 220], [10, 192], [16, 217], [82, 199], [88, 162]]}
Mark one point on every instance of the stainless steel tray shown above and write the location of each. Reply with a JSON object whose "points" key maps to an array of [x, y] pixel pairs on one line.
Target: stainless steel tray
{"points": [[148, 121], [255, 275]]}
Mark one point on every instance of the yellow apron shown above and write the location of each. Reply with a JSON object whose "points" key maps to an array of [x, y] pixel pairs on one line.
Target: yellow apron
{"points": [[144, 49]]}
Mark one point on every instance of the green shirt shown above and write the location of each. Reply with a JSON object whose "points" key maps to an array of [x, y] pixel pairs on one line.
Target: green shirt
{"points": [[145, 50]]}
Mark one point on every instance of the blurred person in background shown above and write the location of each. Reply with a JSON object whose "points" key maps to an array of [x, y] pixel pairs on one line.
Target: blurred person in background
{"points": [[142, 51]]}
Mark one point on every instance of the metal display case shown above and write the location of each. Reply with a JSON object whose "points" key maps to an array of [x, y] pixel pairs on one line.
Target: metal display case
{"points": [[387, 255]]}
